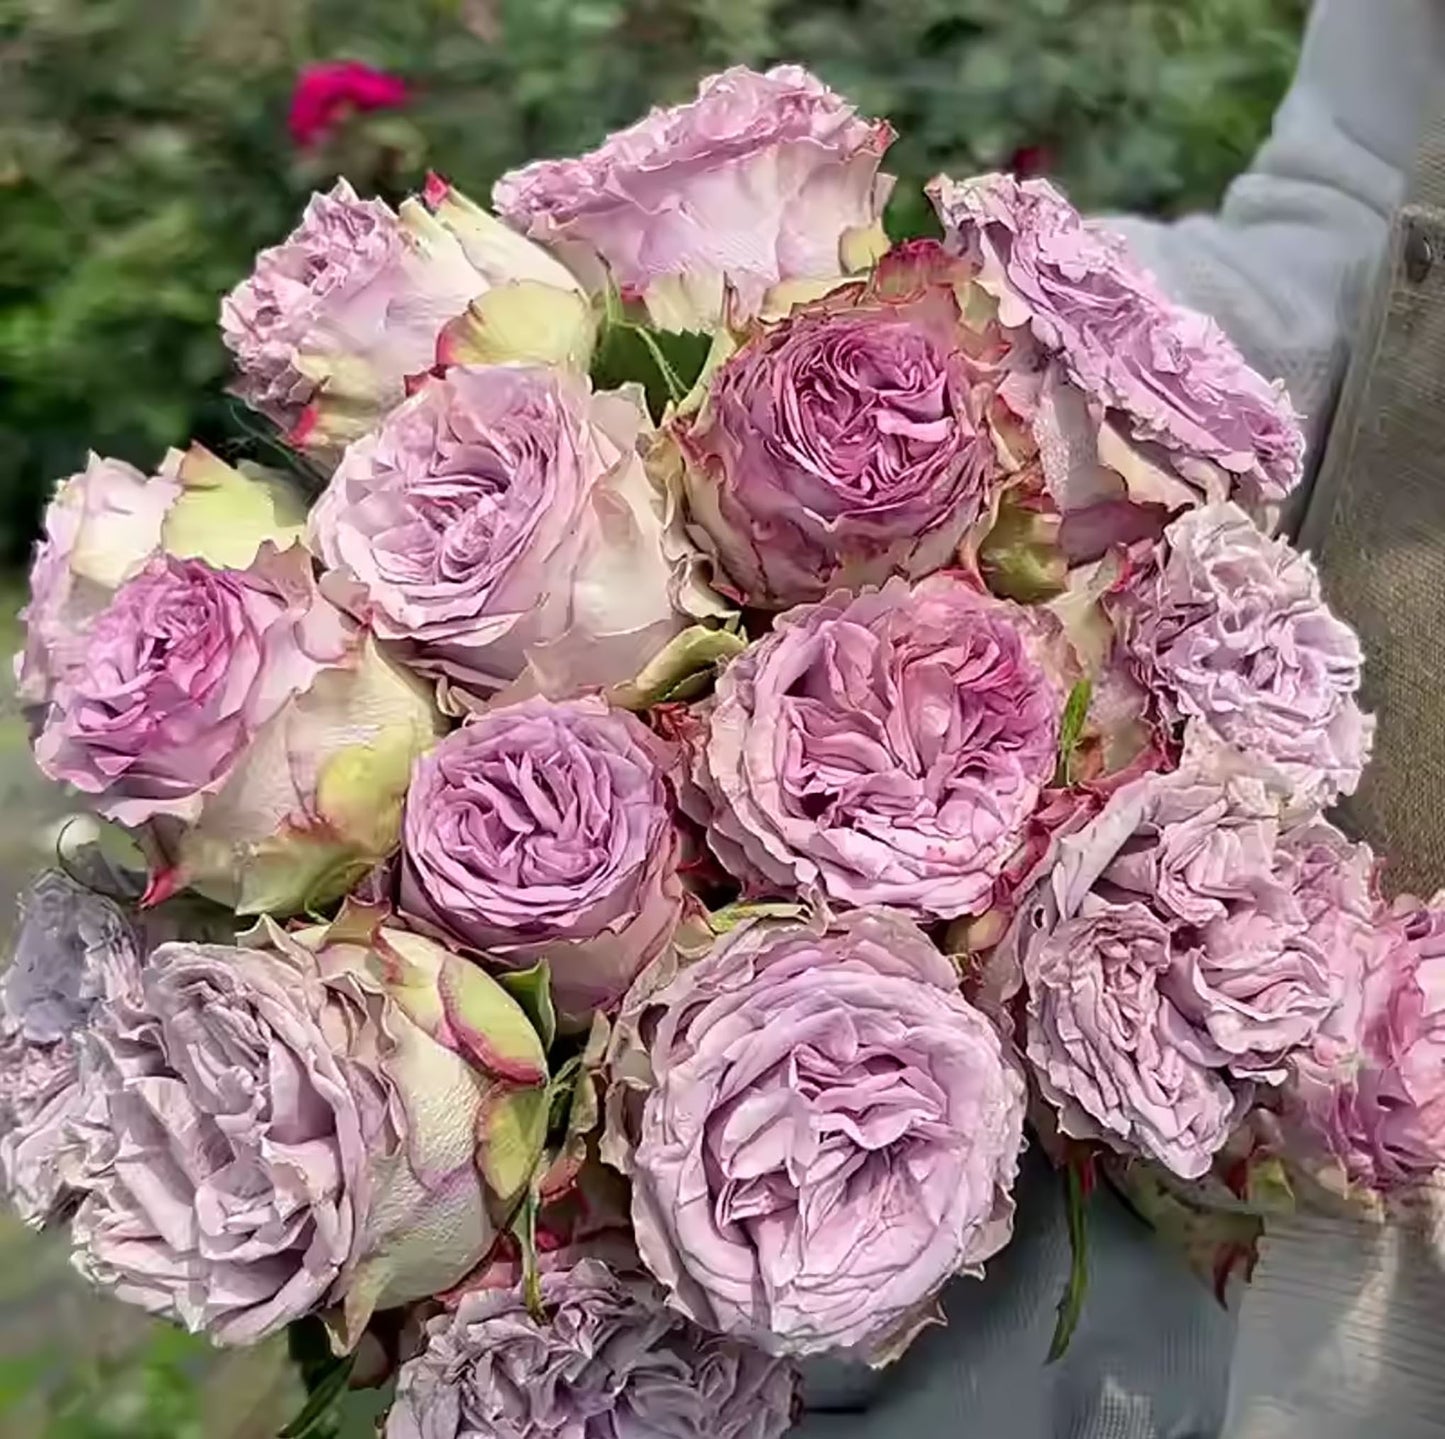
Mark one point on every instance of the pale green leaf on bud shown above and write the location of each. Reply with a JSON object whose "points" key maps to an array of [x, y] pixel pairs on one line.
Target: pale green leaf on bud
{"points": [[522, 322], [224, 515], [683, 669]]}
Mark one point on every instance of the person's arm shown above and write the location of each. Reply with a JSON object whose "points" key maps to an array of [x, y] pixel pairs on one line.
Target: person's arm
{"points": [[1342, 1332], [1288, 259]]}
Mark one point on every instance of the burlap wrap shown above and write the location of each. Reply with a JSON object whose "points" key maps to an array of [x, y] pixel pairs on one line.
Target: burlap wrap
{"points": [[1375, 520]]}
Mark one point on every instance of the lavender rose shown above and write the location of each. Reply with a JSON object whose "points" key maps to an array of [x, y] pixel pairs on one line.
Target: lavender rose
{"points": [[75, 949], [828, 1132], [1231, 632], [1169, 961], [544, 831], [1369, 1095], [610, 1362], [842, 444], [178, 673], [1170, 374], [501, 519], [760, 179], [264, 739], [288, 1128], [108, 521], [1336, 882], [332, 322], [888, 748]]}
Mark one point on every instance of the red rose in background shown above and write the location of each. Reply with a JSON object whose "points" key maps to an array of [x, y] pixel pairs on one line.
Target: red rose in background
{"points": [[327, 90], [1028, 162]]}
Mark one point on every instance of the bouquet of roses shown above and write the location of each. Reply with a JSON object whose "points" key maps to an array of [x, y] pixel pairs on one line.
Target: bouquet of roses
{"points": [[722, 722]]}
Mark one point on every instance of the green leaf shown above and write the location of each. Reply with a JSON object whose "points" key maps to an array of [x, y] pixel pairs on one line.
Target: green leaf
{"points": [[1076, 710], [683, 669], [727, 919], [683, 353], [532, 989], [1020, 556], [1072, 1303], [622, 358], [525, 1229], [665, 362], [561, 1091], [325, 1377], [675, 387]]}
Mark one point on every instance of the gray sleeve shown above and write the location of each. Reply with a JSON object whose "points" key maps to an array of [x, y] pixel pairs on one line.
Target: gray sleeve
{"points": [[1149, 1360], [1288, 259], [1341, 1332]]}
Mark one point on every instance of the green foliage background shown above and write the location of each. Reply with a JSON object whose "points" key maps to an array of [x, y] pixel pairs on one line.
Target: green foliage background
{"points": [[144, 157]]}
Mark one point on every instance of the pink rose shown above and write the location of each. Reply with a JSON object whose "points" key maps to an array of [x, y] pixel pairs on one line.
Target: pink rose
{"points": [[1399, 1099], [1369, 1095], [303, 1125], [1172, 956], [543, 831], [263, 739], [499, 522], [75, 950], [326, 91], [760, 179], [1230, 631], [332, 322], [68, 579], [606, 1360], [105, 523], [827, 1132], [845, 443], [887, 748], [1169, 376], [178, 673]]}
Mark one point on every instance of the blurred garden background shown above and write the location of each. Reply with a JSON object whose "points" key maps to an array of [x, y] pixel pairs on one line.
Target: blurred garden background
{"points": [[145, 155]]}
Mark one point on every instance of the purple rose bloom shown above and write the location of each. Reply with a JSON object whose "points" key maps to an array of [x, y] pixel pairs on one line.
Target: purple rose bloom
{"points": [[888, 748], [1230, 631], [103, 524], [225, 1168], [333, 321], [761, 178], [1336, 882], [544, 831], [1171, 374], [75, 948], [1169, 961], [842, 444], [610, 1362], [263, 737], [829, 1132], [502, 519], [177, 675], [1371, 1094], [303, 1125]]}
